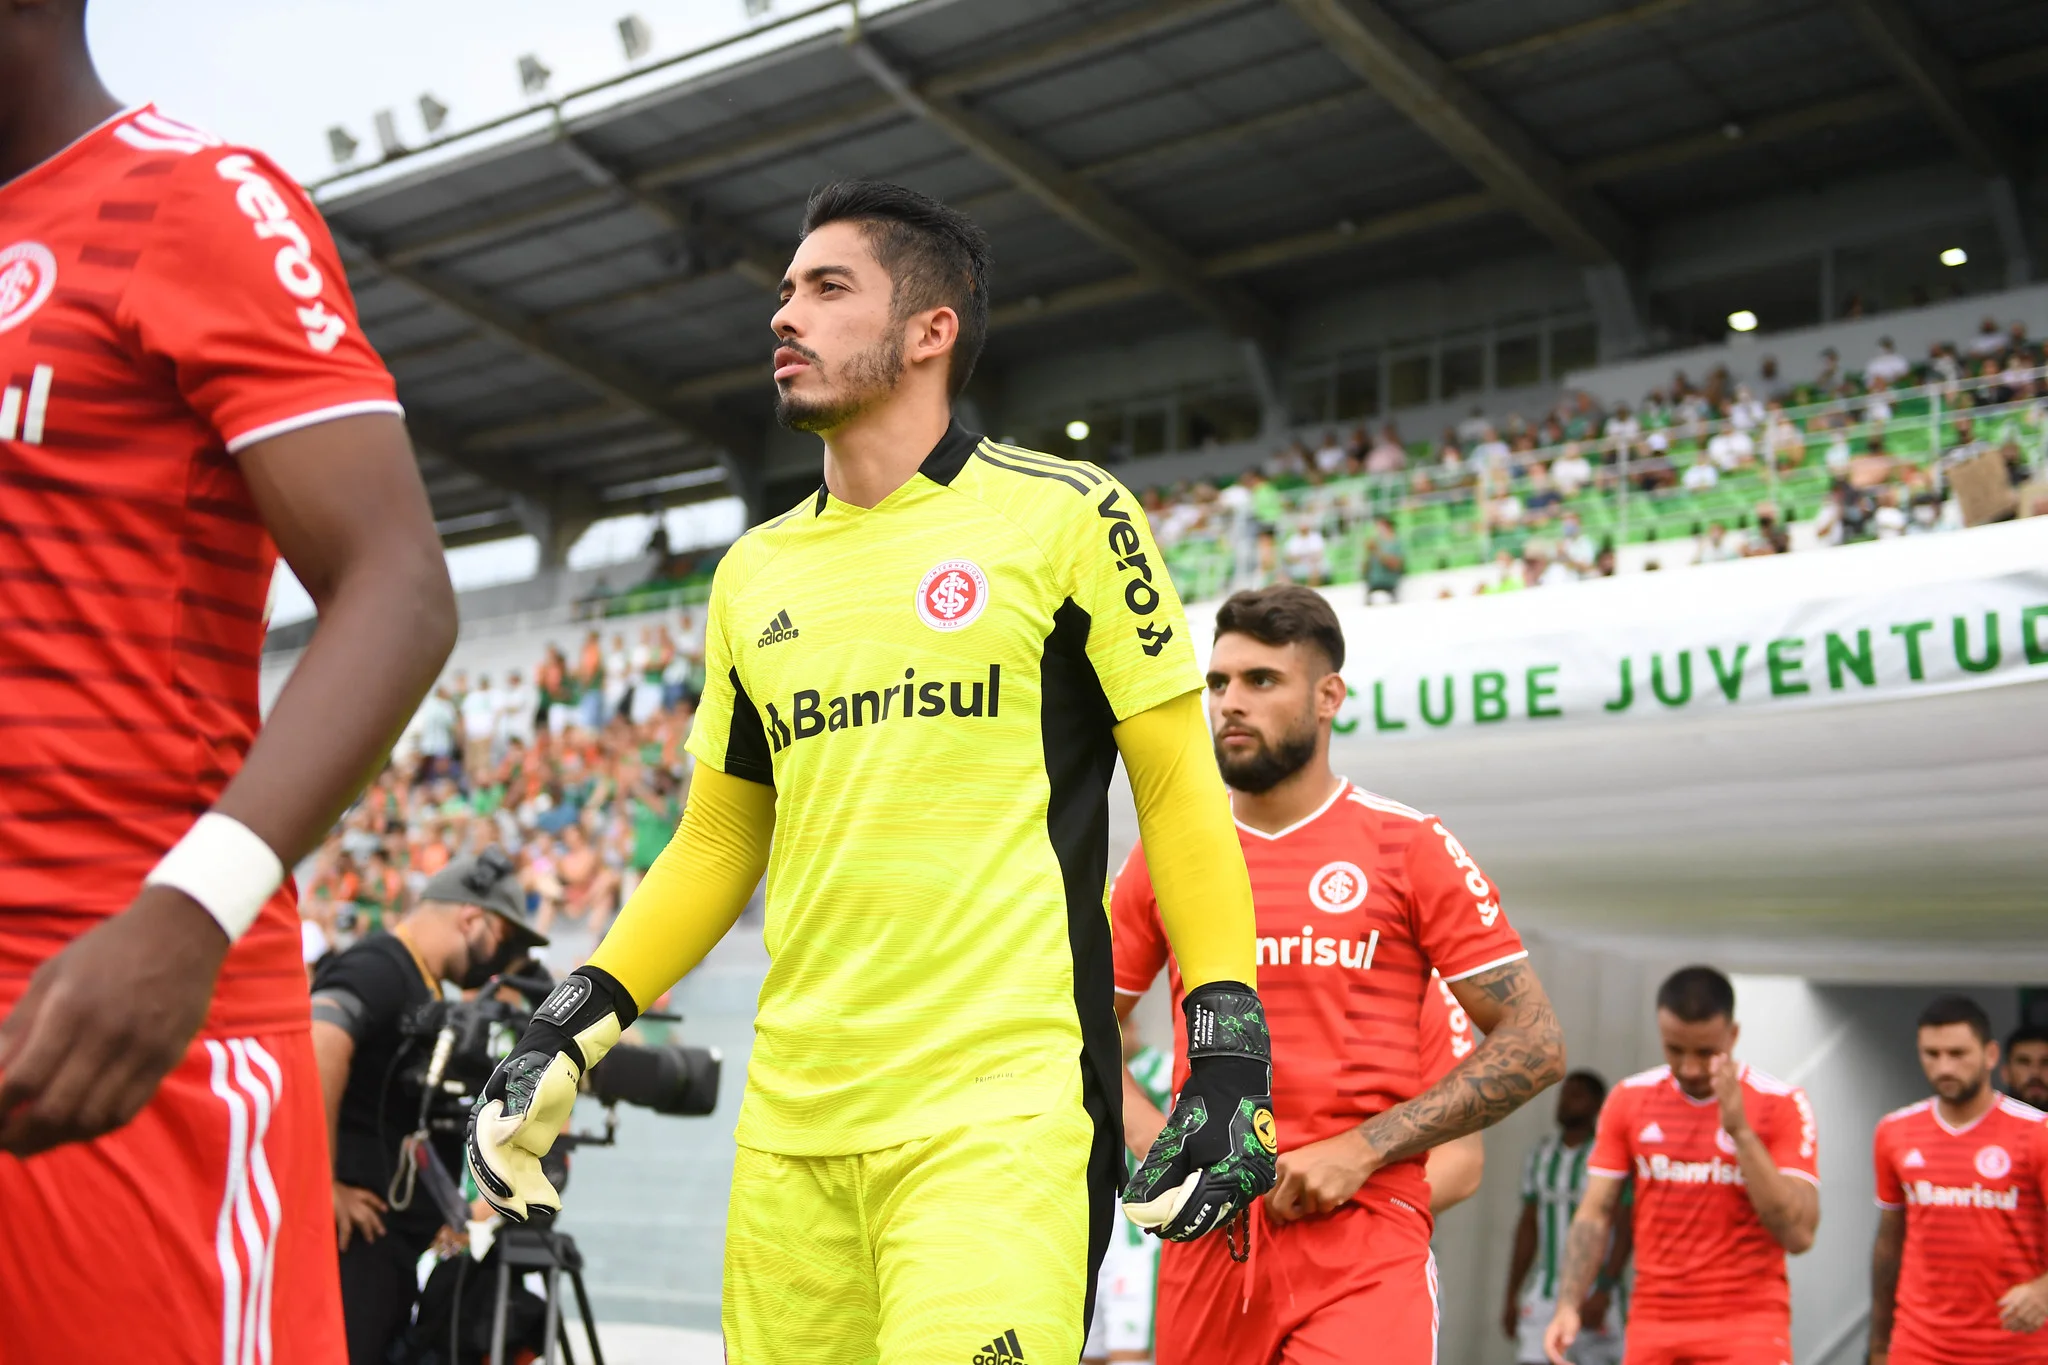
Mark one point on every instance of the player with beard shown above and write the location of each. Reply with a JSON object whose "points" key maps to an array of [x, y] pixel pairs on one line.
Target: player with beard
{"points": [[1369, 913], [2025, 1067], [1959, 1270], [185, 393], [920, 680]]}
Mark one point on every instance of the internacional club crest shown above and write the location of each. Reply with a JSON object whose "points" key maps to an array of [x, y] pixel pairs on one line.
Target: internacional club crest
{"points": [[1337, 888], [28, 272], [952, 595], [1994, 1162]]}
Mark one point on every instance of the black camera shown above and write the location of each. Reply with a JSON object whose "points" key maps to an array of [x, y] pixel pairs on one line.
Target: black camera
{"points": [[464, 1040]]}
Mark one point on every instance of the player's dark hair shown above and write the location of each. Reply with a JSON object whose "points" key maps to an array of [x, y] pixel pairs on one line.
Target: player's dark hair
{"points": [[1697, 994], [935, 256], [2026, 1033], [1284, 614], [1957, 1009], [1592, 1080]]}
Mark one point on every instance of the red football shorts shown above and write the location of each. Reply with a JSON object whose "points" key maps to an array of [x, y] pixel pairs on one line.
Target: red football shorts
{"points": [[1760, 1340], [1319, 1289], [200, 1234]]}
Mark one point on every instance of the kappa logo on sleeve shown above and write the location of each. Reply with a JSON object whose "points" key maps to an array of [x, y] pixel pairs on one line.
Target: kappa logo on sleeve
{"points": [[260, 202]]}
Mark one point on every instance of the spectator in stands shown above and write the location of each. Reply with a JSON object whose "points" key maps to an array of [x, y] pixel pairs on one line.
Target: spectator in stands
{"points": [[1745, 414], [1623, 428], [1540, 499], [437, 724], [1473, 429], [1877, 406], [1774, 389], [1889, 520], [1717, 546], [482, 717], [1887, 365], [1783, 439], [1506, 576], [1771, 537], [1490, 453], [1306, 554], [1943, 366], [1989, 341], [518, 709], [1386, 455], [1703, 475], [1731, 449], [1385, 563], [1330, 455], [1571, 471], [1503, 509], [1575, 549]]}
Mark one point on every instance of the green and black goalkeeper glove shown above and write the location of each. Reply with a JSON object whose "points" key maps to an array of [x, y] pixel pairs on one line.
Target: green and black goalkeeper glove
{"points": [[527, 1101], [1216, 1153]]}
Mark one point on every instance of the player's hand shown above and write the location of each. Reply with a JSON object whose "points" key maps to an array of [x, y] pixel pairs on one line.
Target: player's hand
{"points": [[1727, 1077], [105, 1020], [1562, 1332], [2024, 1307], [1593, 1312], [1215, 1155], [1317, 1179], [527, 1101], [356, 1210]]}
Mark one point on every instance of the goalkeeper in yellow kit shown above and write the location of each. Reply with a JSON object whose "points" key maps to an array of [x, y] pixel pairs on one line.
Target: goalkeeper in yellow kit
{"points": [[919, 682]]}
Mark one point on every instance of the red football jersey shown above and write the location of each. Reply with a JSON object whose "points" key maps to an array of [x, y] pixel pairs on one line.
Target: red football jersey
{"points": [[1975, 1227], [165, 301], [1701, 1252], [1356, 906]]}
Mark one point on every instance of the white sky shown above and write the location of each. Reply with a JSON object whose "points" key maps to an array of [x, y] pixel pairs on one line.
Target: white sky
{"points": [[277, 75]]}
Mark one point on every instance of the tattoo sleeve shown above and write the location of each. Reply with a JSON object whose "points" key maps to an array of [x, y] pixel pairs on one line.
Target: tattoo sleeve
{"points": [[1522, 1056]]}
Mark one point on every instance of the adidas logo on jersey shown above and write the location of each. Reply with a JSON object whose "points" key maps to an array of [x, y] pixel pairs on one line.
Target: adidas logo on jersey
{"points": [[1651, 1133], [1004, 1350], [1913, 1160], [779, 629]]}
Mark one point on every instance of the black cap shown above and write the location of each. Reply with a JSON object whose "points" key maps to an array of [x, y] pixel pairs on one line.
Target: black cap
{"points": [[488, 880]]}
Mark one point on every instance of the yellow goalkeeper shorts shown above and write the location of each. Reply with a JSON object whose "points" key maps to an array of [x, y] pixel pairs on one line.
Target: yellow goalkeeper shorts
{"points": [[977, 1246]]}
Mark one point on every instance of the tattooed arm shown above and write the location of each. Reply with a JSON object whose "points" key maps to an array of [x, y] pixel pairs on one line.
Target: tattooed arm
{"points": [[1585, 1247], [1523, 1054]]}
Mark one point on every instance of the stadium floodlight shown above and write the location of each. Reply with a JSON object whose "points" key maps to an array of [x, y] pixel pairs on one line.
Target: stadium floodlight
{"points": [[533, 76], [1077, 430], [1742, 320], [635, 36], [433, 113], [341, 145], [1955, 255], [387, 133]]}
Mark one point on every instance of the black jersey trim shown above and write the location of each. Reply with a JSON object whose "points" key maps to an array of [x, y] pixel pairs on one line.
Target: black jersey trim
{"points": [[1076, 731], [949, 456], [1045, 461], [746, 743], [1067, 479], [818, 503]]}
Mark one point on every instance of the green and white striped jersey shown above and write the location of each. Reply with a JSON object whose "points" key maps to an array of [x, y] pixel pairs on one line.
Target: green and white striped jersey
{"points": [[1554, 1180]]}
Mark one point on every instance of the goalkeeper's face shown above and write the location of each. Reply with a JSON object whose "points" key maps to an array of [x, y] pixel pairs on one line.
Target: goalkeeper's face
{"points": [[1270, 709]]}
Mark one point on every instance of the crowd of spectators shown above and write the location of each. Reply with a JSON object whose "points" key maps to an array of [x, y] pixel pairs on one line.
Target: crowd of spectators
{"points": [[577, 771], [1518, 484]]}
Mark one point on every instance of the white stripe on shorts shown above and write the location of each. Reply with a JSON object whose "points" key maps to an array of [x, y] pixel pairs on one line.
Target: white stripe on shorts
{"points": [[246, 1273]]}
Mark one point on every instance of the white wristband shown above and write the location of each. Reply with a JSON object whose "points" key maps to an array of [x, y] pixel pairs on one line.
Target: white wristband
{"points": [[226, 867]]}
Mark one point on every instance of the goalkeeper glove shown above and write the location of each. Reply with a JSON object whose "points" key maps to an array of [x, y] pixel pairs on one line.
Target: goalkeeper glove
{"points": [[527, 1100], [1216, 1153]]}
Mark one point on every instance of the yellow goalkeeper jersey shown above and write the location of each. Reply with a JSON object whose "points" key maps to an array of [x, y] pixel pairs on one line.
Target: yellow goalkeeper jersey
{"points": [[930, 686]]}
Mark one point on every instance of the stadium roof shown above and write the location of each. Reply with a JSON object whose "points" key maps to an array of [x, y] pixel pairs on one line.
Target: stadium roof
{"points": [[575, 305]]}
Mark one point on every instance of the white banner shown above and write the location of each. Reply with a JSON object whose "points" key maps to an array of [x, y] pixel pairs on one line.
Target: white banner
{"points": [[1874, 622]]}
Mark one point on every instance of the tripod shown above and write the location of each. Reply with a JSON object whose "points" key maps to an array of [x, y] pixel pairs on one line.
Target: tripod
{"points": [[532, 1248]]}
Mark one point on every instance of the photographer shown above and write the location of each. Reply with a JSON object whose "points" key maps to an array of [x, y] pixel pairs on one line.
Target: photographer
{"points": [[470, 925]]}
